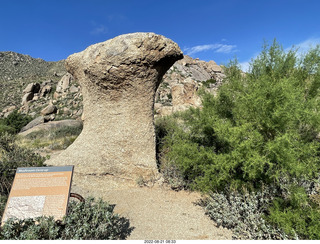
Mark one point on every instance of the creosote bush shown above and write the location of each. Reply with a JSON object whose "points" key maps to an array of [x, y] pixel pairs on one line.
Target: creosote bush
{"points": [[14, 122], [89, 220], [261, 129], [11, 157]]}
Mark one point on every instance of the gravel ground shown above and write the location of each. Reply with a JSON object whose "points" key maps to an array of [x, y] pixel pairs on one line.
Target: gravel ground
{"points": [[156, 213]]}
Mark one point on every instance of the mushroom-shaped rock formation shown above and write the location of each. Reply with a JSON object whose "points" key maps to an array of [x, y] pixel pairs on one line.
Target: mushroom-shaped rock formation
{"points": [[119, 79]]}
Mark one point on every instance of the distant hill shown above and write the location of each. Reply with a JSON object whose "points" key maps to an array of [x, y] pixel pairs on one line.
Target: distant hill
{"points": [[18, 70]]}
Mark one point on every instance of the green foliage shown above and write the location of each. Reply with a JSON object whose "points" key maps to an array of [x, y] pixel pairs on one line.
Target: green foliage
{"points": [[66, 131], [11, 157], [14, 122], [3, 202], [165, 127], [301, 220], [56, 133], [95, 221], [207, 83], [89, 220], [6, 129], [40, 228], [261, 129], [261, 126]]}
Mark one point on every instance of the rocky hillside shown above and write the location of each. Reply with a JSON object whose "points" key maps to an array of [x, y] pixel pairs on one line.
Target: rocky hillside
{"points": [[178, 91], [19, 66], [18, 70], [45, 89]]}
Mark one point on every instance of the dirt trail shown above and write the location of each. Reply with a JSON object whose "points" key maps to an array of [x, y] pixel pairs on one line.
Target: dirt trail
{"points": [[156, 213]]}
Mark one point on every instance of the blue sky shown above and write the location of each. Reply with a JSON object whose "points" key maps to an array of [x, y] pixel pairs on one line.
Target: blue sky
{"points": [[216, 30]]}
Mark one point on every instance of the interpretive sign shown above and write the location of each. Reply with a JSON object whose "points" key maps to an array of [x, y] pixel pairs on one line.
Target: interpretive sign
{"points": [[38, 191]]}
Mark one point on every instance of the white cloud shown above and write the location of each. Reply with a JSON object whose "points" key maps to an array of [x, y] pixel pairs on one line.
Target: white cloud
{"points": [[302, 47], [226, 48], [116, 18], [217, 47], [244, 66], [100, 29], [305, 45]]}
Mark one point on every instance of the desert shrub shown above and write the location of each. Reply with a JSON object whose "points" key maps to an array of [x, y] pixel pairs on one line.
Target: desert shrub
{"points": [[40, 228], [172, 174], [207, 83], [243, 213], [37, 134], [260, 129], [3, 202], [15, 121], [89, 220], [6, 129], [11, 157], [298, 215], [287, 211]]}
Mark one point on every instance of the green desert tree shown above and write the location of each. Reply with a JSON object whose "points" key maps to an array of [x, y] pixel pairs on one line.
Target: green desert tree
{"points": [[260, 130], [261, 126]]}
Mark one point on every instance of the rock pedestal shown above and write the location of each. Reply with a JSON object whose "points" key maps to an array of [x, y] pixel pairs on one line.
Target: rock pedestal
{"points": [[118, 79]]}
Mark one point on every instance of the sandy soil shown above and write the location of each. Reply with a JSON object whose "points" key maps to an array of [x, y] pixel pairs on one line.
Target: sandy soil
{"points": [[156, 213]]}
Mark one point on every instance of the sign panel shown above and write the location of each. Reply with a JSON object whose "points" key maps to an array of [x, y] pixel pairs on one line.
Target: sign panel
{"points": [[38, 191]]}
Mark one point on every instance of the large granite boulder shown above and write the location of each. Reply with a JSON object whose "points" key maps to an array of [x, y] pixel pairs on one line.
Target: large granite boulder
{"points": [[119, 79], [184, 95]]}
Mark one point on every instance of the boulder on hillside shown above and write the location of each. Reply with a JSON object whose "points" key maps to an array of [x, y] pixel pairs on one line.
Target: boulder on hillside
{"points": [[52, 125], [8, 110], [26, 98], [74, 89], [64, 83], [184, 95], [32, 87], [50, 109], [213, 67], [37, 121], [46, 89]]}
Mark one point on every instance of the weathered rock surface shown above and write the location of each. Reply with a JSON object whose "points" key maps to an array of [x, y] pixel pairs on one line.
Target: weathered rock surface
{"points": [[50, 109], [37, 121], [32, 87], [118, 79], [8, 110], [46, 89], [50, 125], [181, 83], [64, 83], [26, 98], [184, 95]]}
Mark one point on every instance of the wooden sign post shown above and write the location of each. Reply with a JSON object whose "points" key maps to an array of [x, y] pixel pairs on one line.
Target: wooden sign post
{"points": [[38, 191]]}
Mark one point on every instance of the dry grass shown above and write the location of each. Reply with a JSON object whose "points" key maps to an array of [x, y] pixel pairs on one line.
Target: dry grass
{"points": [[55, 139]]}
